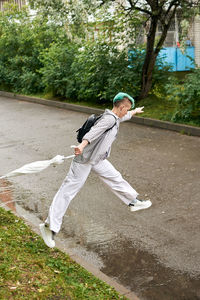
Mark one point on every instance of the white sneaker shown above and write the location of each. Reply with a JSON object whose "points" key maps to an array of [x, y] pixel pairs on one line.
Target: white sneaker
{"points": [[47, 235], [139, 205]]}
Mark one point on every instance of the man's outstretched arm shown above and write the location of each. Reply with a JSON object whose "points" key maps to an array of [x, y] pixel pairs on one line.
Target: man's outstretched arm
{"points": [[137, 110], [131, 113]]}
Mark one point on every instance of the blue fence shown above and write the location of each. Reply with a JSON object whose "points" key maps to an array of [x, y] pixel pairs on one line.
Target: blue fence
{"points": [[178, 60], [172, 56]]}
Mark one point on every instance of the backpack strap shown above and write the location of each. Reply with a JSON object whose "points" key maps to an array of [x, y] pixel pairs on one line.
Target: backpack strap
{"points": [[85, 128], [113, 124]]}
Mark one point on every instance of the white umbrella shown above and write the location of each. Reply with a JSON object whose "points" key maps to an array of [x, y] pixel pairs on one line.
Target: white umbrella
{"points": [[38, 166]]}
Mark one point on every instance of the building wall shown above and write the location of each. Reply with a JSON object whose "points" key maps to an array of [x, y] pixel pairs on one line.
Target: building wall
{"points": [[193, 36], [197, 39]]}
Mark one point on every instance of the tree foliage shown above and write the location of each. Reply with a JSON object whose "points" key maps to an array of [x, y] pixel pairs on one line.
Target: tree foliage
{"points": [[56, 70], [187, 95], [44, 53], [127, 17], [94, 72], [36, 54], [21, 41], [157, 12]]}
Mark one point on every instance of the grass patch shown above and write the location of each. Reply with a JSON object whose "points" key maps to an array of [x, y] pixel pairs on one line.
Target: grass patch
{"points": [[30, 270], [158, 108]]}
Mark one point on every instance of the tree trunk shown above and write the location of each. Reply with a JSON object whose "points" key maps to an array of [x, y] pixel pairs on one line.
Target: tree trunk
{"points": [[152, 52], [147, 75], [150, 59]]}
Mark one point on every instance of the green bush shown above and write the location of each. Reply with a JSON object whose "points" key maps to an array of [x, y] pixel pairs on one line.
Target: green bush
{"points": [[92, 72], [37, 56], [101, 70], [21, 41], [57, 76], [187, 96]]}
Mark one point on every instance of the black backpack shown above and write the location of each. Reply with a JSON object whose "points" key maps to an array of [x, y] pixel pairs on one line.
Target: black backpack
{"points": [[87, 126]]}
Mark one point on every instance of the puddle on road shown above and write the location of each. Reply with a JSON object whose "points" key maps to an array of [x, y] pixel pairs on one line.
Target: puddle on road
{"points": [[134, 268], [142, 273]]}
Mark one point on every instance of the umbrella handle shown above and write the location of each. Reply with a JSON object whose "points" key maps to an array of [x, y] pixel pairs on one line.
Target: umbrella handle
{"points": [[70, 156]]}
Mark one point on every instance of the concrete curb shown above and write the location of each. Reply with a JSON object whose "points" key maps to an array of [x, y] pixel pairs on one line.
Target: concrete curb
{"points": [[79, 260], [184, 129]]}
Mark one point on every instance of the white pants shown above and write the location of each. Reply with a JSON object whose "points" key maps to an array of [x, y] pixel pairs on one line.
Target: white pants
{"points": [[74, 181]]}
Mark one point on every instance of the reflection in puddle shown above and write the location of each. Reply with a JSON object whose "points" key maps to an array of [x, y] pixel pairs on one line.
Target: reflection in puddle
{"points": [[144, 274], [6, 194]]}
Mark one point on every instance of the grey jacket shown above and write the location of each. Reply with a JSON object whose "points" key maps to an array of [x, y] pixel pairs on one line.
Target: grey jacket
{"points": [[100, 141]]}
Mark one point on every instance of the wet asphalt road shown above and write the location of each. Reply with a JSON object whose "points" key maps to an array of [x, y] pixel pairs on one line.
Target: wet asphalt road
{"points": [[153, 252]]}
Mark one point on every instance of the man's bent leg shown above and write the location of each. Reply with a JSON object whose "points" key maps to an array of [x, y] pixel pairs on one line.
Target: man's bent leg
{"points": [[72, 184], [115, 181]]}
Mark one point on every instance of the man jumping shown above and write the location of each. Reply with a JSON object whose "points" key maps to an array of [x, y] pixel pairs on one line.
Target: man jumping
{"points": [[92, 154]]}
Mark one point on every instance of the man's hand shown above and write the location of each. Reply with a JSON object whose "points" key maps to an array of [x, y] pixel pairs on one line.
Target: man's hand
{"points": [[79, 149], [138, 110]]}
